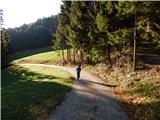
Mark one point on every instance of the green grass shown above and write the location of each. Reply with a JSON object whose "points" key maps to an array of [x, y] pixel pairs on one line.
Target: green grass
{"points": [[44, 55], [29, 93], [45, 58], [23, 54]]}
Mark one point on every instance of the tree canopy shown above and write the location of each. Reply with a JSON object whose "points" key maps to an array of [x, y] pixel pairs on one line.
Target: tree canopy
{"points": [[34, 35], [4, 46], [100, 27]]}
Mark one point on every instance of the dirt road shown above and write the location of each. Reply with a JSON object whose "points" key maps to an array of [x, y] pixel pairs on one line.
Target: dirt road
{"points": [[90, 99]]}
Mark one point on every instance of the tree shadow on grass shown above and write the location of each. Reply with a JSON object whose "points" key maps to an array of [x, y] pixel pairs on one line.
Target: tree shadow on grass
{"points": [[16, 73], [23, 98]]}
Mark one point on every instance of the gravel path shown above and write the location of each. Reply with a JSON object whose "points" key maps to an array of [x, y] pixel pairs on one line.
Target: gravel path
{"points": [[90, 99]]}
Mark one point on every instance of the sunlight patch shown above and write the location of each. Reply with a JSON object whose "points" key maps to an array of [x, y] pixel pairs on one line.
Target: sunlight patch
{"points": [[44, 80]]}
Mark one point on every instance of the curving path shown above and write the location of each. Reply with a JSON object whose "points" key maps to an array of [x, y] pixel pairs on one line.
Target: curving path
{"points": [[90, 99]]}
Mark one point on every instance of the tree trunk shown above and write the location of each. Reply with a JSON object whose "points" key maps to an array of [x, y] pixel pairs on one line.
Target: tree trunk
{"points": [[3, 61], [109, 54], [69, 54], [87, 57], [134, 45], [63, 55], [84, 56], [88, 61], [74, 58], [81, 55], [76, 54]]}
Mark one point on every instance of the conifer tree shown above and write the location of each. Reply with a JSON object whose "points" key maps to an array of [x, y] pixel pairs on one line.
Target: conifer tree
{"points": [[98, 27], [4, 46]]}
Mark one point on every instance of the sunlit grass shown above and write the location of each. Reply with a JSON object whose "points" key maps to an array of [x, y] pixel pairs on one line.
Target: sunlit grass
{"points": [[23, 54], [44, 55], [48, 57], [30, 93]]}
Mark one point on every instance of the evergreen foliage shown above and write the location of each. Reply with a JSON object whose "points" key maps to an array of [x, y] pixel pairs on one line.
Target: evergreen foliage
{"points": [[99, 28], [34, 35], [4, 47]]}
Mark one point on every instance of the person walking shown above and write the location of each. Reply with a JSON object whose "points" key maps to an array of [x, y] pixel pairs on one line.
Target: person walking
{"points": [[78, 70]]}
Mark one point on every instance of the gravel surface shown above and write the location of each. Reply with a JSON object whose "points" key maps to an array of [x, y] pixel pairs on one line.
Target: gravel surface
{"points": [[90, 99]]}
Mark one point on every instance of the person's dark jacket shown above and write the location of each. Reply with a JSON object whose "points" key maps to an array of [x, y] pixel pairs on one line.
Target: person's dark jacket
{"points": [[78, 69]]}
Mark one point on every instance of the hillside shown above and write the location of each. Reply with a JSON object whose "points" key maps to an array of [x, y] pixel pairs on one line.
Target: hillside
{"points": [[34, 35], [45, 55]]}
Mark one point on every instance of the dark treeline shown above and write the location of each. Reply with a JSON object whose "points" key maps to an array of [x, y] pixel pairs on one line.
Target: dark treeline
{"points": [[4, 47], [35, 35], [107, 31]]}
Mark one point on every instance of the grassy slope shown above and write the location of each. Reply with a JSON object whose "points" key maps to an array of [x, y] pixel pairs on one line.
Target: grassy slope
{"points": [[44, 55], [23, 54], [31, 92]]}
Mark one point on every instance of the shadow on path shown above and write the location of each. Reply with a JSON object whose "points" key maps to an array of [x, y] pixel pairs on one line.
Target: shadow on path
{"points": [[103, 84], [92, 99]]}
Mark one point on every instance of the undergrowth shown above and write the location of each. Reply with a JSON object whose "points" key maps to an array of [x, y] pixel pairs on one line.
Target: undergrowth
{"points": [[139, 91]]}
